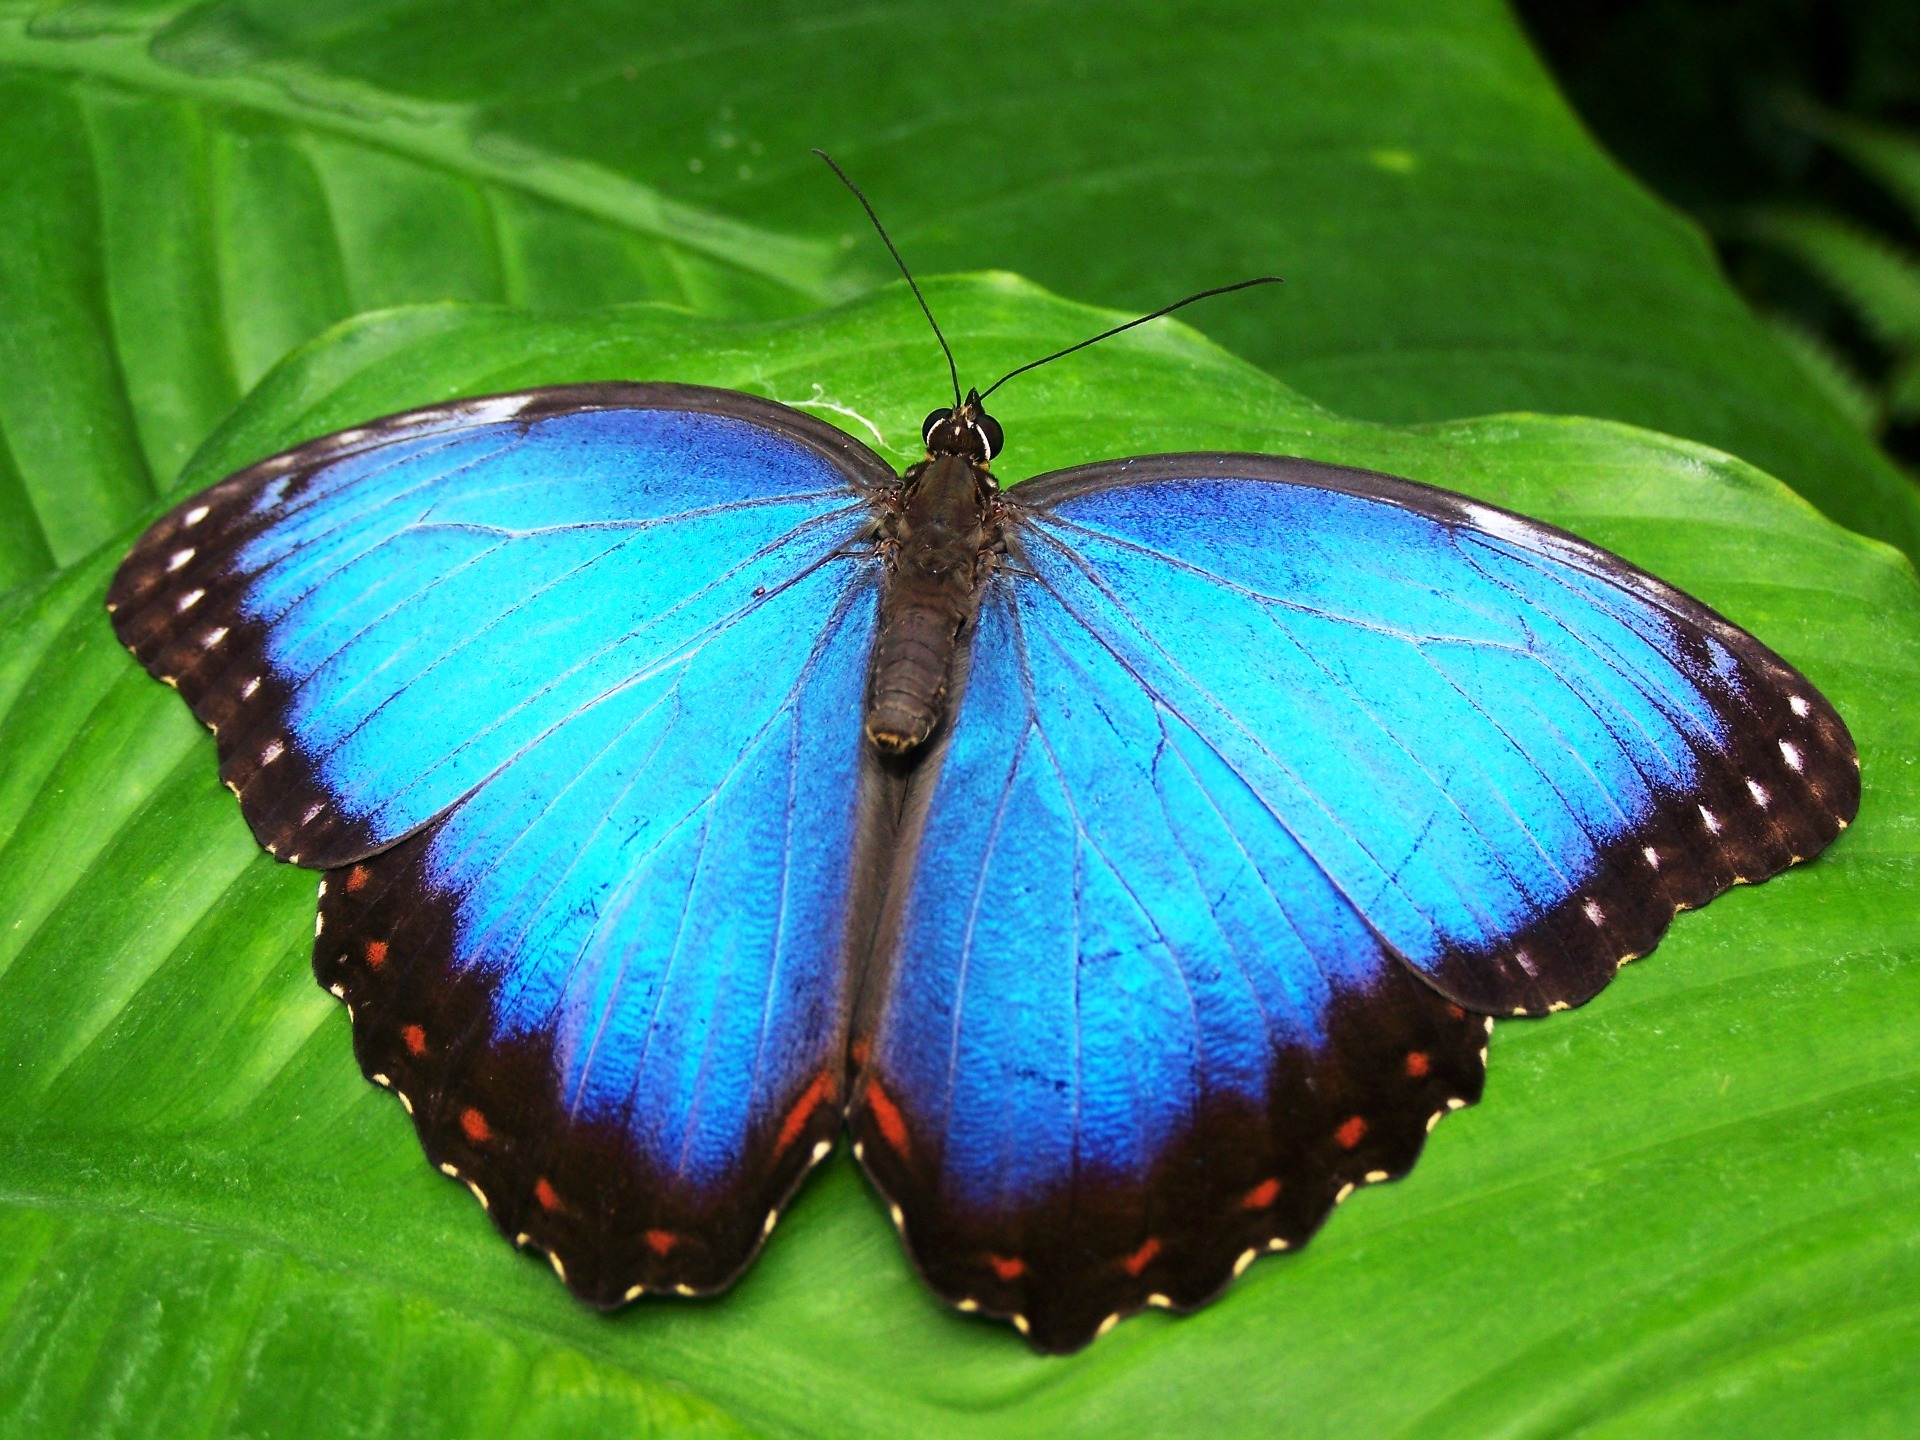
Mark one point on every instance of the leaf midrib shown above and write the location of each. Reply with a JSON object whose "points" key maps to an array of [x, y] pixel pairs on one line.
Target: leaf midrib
{"points": [[438, 135]]}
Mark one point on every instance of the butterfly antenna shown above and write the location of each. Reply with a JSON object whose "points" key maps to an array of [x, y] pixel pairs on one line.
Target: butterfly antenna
{"points": [[952, 369], [1109, 334]]}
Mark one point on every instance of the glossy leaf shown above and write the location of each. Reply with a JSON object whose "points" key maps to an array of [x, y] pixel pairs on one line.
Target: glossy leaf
{"points": [[172, 232], [1684, 1209], [200, 185]]}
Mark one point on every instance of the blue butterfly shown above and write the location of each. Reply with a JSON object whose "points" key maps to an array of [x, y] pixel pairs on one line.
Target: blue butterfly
{"points": [[1131, 859], [1132, 862]]}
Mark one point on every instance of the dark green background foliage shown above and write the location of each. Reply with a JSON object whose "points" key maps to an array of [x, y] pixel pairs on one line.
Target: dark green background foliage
{"points": [[1791, 130], [1686, 1209]]}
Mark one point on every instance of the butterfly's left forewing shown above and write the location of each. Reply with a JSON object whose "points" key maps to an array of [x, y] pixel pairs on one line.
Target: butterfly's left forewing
{"points": [[1269, 781], [373, 623], [562, 690]]}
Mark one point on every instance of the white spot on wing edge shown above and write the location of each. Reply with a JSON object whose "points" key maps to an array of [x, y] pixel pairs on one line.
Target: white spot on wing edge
{"points": [[319, 923], [195, 515], [1107, 1324], [1711, 821], [1593, 911], [1653, 855], [452, 1170], [1799, 704], [1759, 793], [821, 1151], [1247, 1257], [246, 691], [272, 753], [190, 599], [634, 1292], [179, 558], [479, 1195], [494, 409], [1790, 752]]}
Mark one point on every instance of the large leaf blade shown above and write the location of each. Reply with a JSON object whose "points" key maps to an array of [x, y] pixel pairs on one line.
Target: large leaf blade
{"points": [[172, 234], [1677, 1188], [1453, 240]]}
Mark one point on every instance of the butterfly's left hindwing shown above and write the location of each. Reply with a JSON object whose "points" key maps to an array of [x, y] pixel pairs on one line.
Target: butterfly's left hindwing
{"points": [[562, 690], [1268, 782], [611, 984]]}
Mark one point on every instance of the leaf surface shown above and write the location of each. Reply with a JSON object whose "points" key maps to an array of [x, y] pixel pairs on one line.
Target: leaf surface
{"points": [[1686, 1209], [201, 186]]}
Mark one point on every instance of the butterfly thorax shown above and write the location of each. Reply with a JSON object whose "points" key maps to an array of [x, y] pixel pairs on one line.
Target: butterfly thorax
{"points": [[936, 534]]}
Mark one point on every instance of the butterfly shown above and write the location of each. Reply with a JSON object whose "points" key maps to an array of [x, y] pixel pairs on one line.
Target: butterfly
{"points": [[1131, 861]]}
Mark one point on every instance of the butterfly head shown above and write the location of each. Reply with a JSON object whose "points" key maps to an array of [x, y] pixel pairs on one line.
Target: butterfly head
{"points": [[968, 432]]}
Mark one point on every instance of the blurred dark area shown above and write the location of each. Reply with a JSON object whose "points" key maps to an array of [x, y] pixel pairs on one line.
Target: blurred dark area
{"points": [[1790, 129]]}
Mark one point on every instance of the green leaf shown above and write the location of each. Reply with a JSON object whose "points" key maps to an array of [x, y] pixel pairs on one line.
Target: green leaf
{"points": [[1879, 281], [1453, 241], [1903, 391], [1685, 1209], [1851, 392], [1890, 155], [173, 229]]}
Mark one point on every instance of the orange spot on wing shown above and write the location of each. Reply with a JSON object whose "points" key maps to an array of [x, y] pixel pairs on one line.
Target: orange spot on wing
{"points": [[1349, 1134], [1138, 1260], [475, 1124], [1456, 1012], [1261, 1196], [376, 953], [1417, 1064], [861, 1049], [1007, 1267], [544, 1193], [357, 877], [810, 1100], [661, 1241], [887, 1116], [415, 1039]]}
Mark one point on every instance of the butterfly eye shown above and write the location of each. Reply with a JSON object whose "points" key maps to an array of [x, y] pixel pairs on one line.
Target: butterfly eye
{"points": [[937, 418], [988, 429]]}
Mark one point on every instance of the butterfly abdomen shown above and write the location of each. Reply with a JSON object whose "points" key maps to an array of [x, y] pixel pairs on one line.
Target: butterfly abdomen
{"points": [[935, 541]]}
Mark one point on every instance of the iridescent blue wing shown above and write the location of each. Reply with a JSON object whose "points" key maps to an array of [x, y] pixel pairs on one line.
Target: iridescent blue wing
{"points": [[562, 690], [1270, 780]]}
